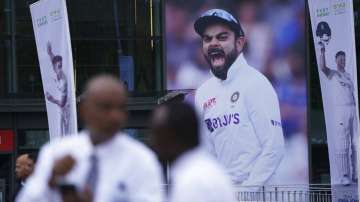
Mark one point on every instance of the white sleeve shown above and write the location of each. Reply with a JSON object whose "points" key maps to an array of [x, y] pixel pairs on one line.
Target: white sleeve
{"points": [[36, 188], [148, 184], [264, 113]]}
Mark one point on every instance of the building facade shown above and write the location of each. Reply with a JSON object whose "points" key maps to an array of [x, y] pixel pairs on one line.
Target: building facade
{"points": [[101, 33]]}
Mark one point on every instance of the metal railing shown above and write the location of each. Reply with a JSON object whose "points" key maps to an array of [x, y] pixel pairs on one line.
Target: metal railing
{"points": [[290, 193], [281, 193]]}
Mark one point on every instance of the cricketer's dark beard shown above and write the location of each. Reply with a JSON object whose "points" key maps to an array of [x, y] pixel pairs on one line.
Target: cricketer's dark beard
{"points": [[221, 73]]}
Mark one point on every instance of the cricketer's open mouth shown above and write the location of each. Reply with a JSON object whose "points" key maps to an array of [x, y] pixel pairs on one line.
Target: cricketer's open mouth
{"points": [[217, 57]]}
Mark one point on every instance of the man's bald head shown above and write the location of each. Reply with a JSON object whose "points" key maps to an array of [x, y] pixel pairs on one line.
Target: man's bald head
{"points": [[104, 107], [101, 83], [23, 157]]}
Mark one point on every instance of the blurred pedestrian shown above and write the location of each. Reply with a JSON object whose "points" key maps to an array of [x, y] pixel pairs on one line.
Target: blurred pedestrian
{"points": [[24, 167], [101, 164], [195, 175]]}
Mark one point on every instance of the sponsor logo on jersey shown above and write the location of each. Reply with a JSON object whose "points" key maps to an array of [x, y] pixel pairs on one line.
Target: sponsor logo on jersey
{"points": [[210, 103], [235, 96], [222, 121]]}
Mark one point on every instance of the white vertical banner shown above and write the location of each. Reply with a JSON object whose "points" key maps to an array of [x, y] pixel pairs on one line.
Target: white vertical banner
{"points": [[332, 24], [51, 28]]}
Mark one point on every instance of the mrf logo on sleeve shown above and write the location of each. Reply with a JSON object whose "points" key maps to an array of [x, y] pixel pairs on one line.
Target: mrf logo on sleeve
{"points": [[209, 103]]}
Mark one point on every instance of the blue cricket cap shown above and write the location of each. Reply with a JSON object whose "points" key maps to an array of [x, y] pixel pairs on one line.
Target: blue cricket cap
{"points": [[214, 16]]}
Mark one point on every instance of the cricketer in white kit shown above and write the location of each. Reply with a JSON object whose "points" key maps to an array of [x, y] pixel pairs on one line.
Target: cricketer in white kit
{"points": [[239, 109], [344, 116]]}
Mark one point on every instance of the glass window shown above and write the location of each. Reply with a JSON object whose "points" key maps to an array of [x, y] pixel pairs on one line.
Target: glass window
{"points": [[114, 36], [31, 140], [2, 17], [28, 71], [22, 18], [5, 45], [4, 60]]}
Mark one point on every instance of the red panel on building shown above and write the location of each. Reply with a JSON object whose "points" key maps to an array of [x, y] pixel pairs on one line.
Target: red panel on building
{"points": [[6, 140]]}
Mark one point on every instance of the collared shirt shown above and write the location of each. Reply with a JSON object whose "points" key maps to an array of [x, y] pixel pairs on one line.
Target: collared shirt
{"points": [[241, 124], [128, 171], [196, 176]]}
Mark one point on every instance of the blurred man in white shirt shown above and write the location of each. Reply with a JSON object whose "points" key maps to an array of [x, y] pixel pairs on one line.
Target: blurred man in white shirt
{"points": [[101, 164]]}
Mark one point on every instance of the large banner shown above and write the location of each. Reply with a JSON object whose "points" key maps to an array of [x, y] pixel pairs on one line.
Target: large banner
{"points": [[332, 24], [247, 140], [51, 28]]}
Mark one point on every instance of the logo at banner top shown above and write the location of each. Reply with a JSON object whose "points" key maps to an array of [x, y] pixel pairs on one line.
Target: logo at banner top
{"points": [[235, 96], [55, 15], [41, 21], [322, 12], [339, 7]]}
